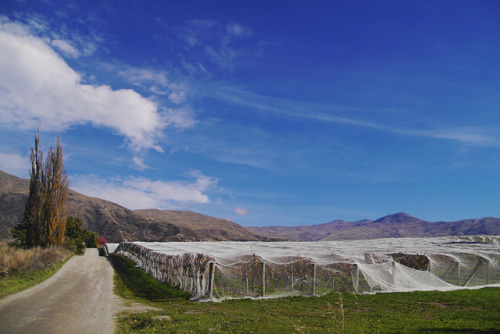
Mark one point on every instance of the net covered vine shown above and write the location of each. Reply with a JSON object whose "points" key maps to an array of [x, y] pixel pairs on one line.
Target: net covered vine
{"points": [[221, 270]]}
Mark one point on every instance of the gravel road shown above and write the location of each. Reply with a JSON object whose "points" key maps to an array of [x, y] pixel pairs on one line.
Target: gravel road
{"points": [[77, 299]]}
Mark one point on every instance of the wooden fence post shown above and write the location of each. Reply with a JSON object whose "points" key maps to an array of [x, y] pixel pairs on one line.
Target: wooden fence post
{"points": [[211, 275], [356, 278], [263, 279], [313, 287], [487, 271]]}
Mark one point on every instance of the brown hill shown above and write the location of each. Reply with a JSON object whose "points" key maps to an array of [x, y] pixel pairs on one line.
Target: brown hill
{"points": [[118, 223], [13, 195], [308, 232], [203, 227]]}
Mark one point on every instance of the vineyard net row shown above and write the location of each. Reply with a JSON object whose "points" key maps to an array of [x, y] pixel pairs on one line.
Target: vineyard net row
{"points": [[258, 269]]}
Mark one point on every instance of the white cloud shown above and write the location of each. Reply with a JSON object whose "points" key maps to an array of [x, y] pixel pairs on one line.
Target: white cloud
{"points": [[142, 193], [38, 87], [14, 164], [240, 211]]}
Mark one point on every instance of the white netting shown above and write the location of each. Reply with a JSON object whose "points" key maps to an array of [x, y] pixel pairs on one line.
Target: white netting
{"points": [[111, 247], [443, 263], [397, 277]]}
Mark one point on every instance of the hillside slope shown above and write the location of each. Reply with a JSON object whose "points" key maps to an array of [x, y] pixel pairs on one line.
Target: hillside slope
{"points": [[308, 232], [118, 223], [202, 226], [13, 195]]}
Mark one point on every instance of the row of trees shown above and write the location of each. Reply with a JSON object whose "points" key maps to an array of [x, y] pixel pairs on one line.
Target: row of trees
{"points": [[44, 223]]}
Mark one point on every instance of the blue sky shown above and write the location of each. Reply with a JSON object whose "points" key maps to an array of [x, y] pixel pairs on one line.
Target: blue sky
{"points": [[262, 112]]}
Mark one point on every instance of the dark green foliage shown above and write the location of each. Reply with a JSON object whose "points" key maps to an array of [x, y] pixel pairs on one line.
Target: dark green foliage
{"points": [[78, 238], [19, 235], [27, 233], [91, 239]]}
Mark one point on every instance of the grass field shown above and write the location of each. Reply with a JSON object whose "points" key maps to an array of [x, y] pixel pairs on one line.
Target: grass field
{"points": [[467, 311]]}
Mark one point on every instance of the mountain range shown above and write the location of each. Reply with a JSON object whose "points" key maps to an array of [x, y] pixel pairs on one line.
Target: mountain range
{"points": [[117, 223], [397, 225]]}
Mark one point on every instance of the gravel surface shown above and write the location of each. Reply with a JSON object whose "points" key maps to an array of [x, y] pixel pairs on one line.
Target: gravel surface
{"points": [[77, 299]]}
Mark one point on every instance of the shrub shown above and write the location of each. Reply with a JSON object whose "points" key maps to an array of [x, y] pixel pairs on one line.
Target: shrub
{"points": [[78, 238], [80, 247], [101, 241]]}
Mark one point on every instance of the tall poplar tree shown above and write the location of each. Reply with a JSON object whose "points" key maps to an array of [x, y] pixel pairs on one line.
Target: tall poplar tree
{"points": [[43, 223], [56, 186]]}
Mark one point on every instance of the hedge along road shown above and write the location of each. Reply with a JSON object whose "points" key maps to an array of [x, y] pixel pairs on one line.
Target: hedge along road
{"points": [[77, 299]]}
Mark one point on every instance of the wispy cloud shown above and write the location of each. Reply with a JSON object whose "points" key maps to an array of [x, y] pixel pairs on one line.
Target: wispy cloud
{"points": [[480, 135], [218, 43], [139, 163], [196, 30], [154, 81], [235, 29], [139, 76], [142, 193], [66, 48], [240, 211], [69, 43], [469, 135]]}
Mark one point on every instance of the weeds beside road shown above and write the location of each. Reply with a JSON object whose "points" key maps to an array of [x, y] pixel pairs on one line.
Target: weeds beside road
{"points": [[24, 268]]}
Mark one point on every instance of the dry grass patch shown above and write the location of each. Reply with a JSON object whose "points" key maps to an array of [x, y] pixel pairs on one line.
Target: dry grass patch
{"points": [[23, 268], [14, 261]]}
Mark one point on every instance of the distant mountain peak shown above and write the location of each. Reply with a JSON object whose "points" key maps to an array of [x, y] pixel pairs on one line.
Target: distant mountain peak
{"points": [[397, 218]]}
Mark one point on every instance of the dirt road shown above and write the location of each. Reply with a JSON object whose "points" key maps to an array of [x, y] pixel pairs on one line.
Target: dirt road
{"points": [[77, 299]]}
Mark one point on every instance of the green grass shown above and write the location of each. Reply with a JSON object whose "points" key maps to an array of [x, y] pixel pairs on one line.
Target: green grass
{"points": [[135, 284], [467, 311], [25, 280]]}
